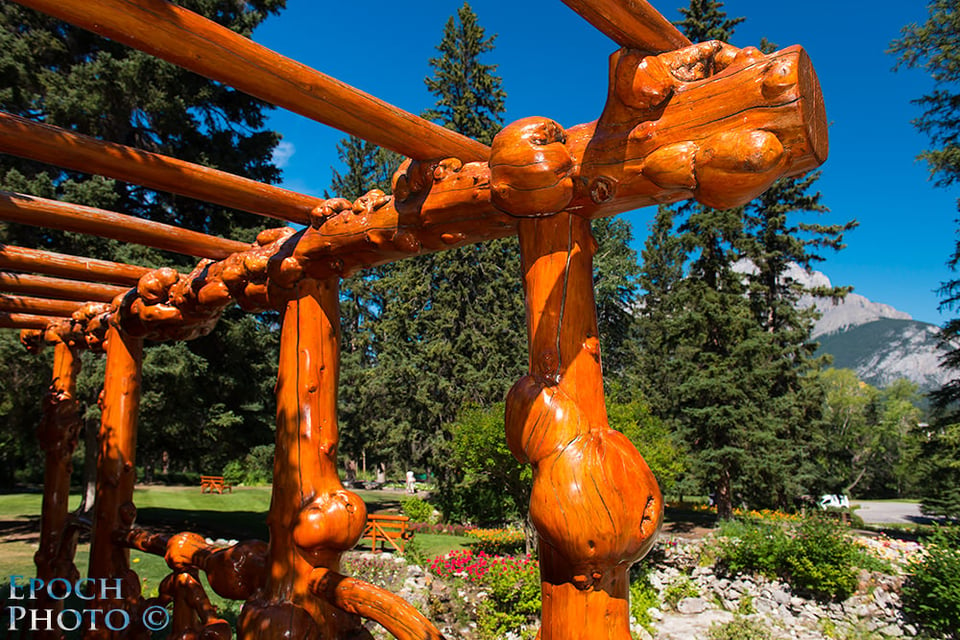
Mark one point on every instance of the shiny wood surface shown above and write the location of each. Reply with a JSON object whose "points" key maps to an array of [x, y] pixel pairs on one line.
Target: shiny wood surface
{"points": [[55, 214], [200, 45], [63, 148], [25, 321], [42, 306], [114, 511], [313, 519], [631, 23], [44, 287], [591, 528], [66, 266]]}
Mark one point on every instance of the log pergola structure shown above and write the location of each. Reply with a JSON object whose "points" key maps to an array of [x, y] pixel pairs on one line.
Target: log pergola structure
{"points": [[682, 120]]}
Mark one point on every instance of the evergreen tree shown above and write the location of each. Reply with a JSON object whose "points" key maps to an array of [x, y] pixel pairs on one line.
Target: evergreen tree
{"points": [[64, 76], [935, 47], [705, 20]]}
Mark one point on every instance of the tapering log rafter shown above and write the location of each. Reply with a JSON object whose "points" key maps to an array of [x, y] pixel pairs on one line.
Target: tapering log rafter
{"points": [[54, 214], [26, 321], [631, 23], [200, 45], [44, 287], [62, 265], [42, 306], [45, 143]]}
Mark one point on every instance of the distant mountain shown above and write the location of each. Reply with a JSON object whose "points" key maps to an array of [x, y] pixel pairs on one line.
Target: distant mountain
{"points": [[877, 341], [883, 350]]}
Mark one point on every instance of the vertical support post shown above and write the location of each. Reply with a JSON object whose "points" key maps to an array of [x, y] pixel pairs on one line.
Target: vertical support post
{"points": [[594, 501], [313, 519], [57, 435], [116, 474]]}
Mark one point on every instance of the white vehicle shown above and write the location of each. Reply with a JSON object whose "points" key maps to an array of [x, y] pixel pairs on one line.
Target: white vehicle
{"points": [[834, 501]]}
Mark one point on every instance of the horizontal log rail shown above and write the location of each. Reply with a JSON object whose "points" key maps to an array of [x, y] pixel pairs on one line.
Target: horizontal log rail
{"points": [[25, 321], [71, 267], [42, 306], [631, 23], [54, 214], [204, 47], [45, 287], [62, 148]]}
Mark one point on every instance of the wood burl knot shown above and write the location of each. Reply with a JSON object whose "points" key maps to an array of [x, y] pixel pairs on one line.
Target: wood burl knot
{"points": [[708, 121]]}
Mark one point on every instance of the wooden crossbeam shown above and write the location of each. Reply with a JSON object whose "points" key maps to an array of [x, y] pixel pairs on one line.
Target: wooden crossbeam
{"points": [[25, 321], [631, 23], [71, 267], [200, 45], [43, 306], [62, 148], [53, 214], [45, 287]]}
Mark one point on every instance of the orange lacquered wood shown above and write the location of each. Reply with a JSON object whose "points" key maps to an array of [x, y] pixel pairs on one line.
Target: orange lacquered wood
{"points": [[25, 321], [42, 306], [200, 45], [631, 23], [45, 287], [114, 511], [313, 519], [62, 148], [66, 266], [54, 214], [591, 528]]}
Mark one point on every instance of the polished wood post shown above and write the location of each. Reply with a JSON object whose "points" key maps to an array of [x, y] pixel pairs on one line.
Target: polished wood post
{"points": [[57, 436], [595, 503], [313, 519], [114, 511]]}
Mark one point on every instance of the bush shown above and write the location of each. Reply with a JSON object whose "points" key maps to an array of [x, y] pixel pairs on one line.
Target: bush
{"points": [[497, 542], [417, 510], [643, 597], [512, 586], [677, 591], [931, 595], [815, 556], [740, 629], [255, 468]]}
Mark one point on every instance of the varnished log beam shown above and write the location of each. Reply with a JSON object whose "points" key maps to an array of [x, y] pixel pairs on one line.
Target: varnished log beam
{"points": [[631, 23], [42, 306], [25, 321], [62, 148], [200, 45], [54, 214], [44, 287], [71, 267]]}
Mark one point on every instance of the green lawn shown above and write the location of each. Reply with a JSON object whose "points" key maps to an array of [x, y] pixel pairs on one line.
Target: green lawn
{"points": [[241, 514]]}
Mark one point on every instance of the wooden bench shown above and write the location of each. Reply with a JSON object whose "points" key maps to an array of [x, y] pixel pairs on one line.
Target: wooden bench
{"points": [[385, 528], [209, 484]]}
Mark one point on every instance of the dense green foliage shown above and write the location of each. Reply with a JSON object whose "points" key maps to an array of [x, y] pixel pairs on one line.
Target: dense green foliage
{"points": [[816, 556], [931, 595], [63, 76], [934, 46], [725, 354]]}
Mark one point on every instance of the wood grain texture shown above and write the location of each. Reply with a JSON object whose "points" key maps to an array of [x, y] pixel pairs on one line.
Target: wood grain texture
{"points": [[42, 306], [631, 23], [114, 511], [44, 287], [57, 435], [591, 526], [63, 148], [54, 214], [30, 321], [70, 267], [200, 45], [313, 519]]}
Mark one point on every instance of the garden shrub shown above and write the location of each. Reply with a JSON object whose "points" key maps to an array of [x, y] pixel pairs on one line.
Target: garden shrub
{"points": [[254, 468], [677, 591], [512, 586], [931, 595], [740, 628], [816, 556], [643, 596], [417, 509], [497, 542]]}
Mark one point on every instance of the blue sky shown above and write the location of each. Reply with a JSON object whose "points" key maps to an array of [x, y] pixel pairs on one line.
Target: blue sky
{"points": [[553, 64]]}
